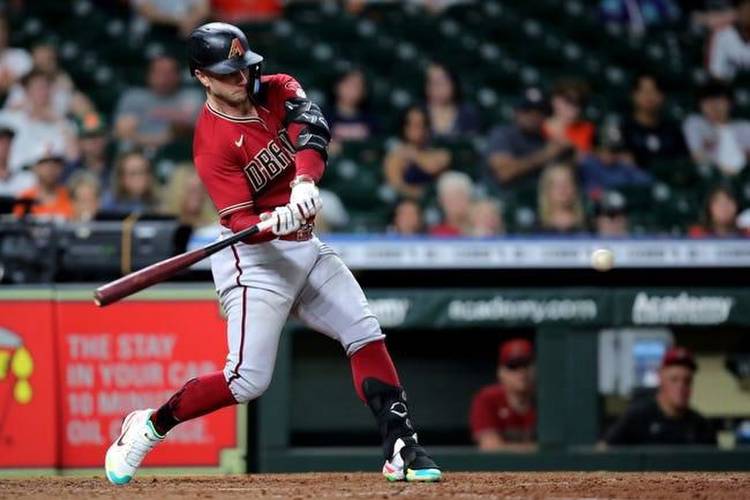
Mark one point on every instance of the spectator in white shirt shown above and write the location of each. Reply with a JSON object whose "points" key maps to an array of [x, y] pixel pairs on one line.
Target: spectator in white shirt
{"points": [[713, 137], [729, 48], [36, 122], [14, 63]]}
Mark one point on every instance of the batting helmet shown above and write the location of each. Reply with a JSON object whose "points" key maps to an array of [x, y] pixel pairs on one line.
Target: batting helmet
{"points": [[220, 48]]}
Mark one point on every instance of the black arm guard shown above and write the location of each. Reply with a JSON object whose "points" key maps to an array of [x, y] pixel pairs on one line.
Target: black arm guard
{"points": [[316, 133]]}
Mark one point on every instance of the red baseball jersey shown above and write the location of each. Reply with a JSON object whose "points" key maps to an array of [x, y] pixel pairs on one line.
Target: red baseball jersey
{"points": [[490, 411], [247, 163]]}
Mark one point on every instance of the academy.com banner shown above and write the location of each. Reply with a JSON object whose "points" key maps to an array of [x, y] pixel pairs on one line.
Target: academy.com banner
{"points": [[70, 372]]}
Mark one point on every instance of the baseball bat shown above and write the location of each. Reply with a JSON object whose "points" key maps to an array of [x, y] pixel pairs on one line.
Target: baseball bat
{"points": [[165, 269]]}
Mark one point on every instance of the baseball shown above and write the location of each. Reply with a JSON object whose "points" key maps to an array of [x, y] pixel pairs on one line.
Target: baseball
{"points": [[602, 259]]}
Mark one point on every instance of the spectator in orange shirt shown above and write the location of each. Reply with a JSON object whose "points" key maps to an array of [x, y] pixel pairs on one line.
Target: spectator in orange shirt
{"points": [[52, 198], [566, 124], [503, 415]]}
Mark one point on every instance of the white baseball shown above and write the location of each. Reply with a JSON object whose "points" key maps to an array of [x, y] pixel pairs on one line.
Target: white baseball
{"points": [[602, 259]]}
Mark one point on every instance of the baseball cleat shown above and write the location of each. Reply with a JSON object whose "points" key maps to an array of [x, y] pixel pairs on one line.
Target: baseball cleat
{"points": [[137, 438], [410, 462]]}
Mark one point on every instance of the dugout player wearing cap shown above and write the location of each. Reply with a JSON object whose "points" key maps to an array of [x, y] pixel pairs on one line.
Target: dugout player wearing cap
{"points": [[259, 148], [665, 418], [503, 415]]}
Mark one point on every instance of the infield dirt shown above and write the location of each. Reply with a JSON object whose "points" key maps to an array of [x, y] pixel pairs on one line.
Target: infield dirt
{"points": [[464, 485]]}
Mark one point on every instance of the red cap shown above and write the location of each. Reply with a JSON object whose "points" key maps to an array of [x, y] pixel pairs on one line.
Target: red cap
{"points": [[677, 355], [516, 352]]}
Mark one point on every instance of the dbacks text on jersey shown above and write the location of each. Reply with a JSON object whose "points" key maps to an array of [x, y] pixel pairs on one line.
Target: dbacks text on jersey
{"points": [[270, 161]]}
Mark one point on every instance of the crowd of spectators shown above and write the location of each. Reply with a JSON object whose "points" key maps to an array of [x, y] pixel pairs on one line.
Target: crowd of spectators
{"points": [[104, 160]]}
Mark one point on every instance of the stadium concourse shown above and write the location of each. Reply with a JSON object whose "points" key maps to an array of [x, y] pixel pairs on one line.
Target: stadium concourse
{"points": [[478, 485]]}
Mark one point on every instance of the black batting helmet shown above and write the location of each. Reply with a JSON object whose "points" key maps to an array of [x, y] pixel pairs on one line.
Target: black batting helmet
{"points": [[220, 48]]}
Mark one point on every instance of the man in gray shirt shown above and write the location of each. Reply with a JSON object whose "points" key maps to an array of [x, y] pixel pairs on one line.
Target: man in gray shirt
{"points": [[516, 153], [152, 117]]}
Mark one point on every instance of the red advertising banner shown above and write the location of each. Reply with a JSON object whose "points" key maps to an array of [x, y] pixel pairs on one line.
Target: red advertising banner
{"points": [[28, 384], [134, 355]]}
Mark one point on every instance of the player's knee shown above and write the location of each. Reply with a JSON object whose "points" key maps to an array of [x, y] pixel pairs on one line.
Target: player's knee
{"points": [[247, 385]]}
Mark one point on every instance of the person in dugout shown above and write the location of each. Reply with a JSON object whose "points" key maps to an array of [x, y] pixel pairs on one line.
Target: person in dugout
{"points": [[665, 418], [503, 414]]}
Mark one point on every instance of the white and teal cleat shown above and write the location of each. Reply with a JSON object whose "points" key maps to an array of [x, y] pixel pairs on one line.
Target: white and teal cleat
{"points": [[410, 462], [125, 455]]}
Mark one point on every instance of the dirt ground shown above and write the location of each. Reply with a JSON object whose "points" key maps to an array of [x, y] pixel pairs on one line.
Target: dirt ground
{"points": [[465, 485]]}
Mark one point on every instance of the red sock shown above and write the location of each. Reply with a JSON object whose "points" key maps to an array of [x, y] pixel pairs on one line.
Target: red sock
{"points": [[196, 398], [372, 361]]}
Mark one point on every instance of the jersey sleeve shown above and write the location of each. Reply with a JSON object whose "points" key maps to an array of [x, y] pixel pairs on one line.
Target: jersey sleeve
{"points": [[482, 416], [308, 162], [230, 192]]}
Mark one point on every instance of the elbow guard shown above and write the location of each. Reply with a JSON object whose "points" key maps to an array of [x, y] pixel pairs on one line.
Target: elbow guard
{"points": [[315, 133]]}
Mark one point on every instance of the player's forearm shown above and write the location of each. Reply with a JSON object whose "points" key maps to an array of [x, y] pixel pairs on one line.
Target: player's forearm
{"points": [[238, 221]]}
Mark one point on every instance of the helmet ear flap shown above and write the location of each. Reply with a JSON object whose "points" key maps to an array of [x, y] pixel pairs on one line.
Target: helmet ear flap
{"points": [[256, 70]]}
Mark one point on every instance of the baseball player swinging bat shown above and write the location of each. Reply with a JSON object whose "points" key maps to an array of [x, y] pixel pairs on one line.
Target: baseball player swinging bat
{"points": [[260, 147], [165, 269]]}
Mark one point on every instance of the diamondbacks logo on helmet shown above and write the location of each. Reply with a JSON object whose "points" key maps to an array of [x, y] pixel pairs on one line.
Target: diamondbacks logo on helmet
{"points": [[236, 49]]}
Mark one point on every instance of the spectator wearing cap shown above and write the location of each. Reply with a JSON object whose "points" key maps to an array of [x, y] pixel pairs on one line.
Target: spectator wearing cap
{"points": [[450, 117], [646, 133], [65, 98], [52, 198], [407, 219], [560, 209], [93, 154], [11, 183], [610, 166], [503, 415], [665, 418], [516, 153], [455, 193], [714, 138], [36, 123], [133, 187], [413, 163], [729, 48], [151, 117], [611, 215], [566, 124], [14, 62], [719, 219]]}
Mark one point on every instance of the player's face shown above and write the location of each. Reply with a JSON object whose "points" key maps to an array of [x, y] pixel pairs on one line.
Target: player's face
{"points": [[230, 88], [518, 379], [676, 385]]}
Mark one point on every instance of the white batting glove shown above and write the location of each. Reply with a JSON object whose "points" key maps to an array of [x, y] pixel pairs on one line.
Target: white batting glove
{"points": [[305, 199], [286, 221]]}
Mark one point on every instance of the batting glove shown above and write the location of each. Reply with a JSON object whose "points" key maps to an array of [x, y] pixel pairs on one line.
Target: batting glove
{"points": [[305, 199], [286, 221]]}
